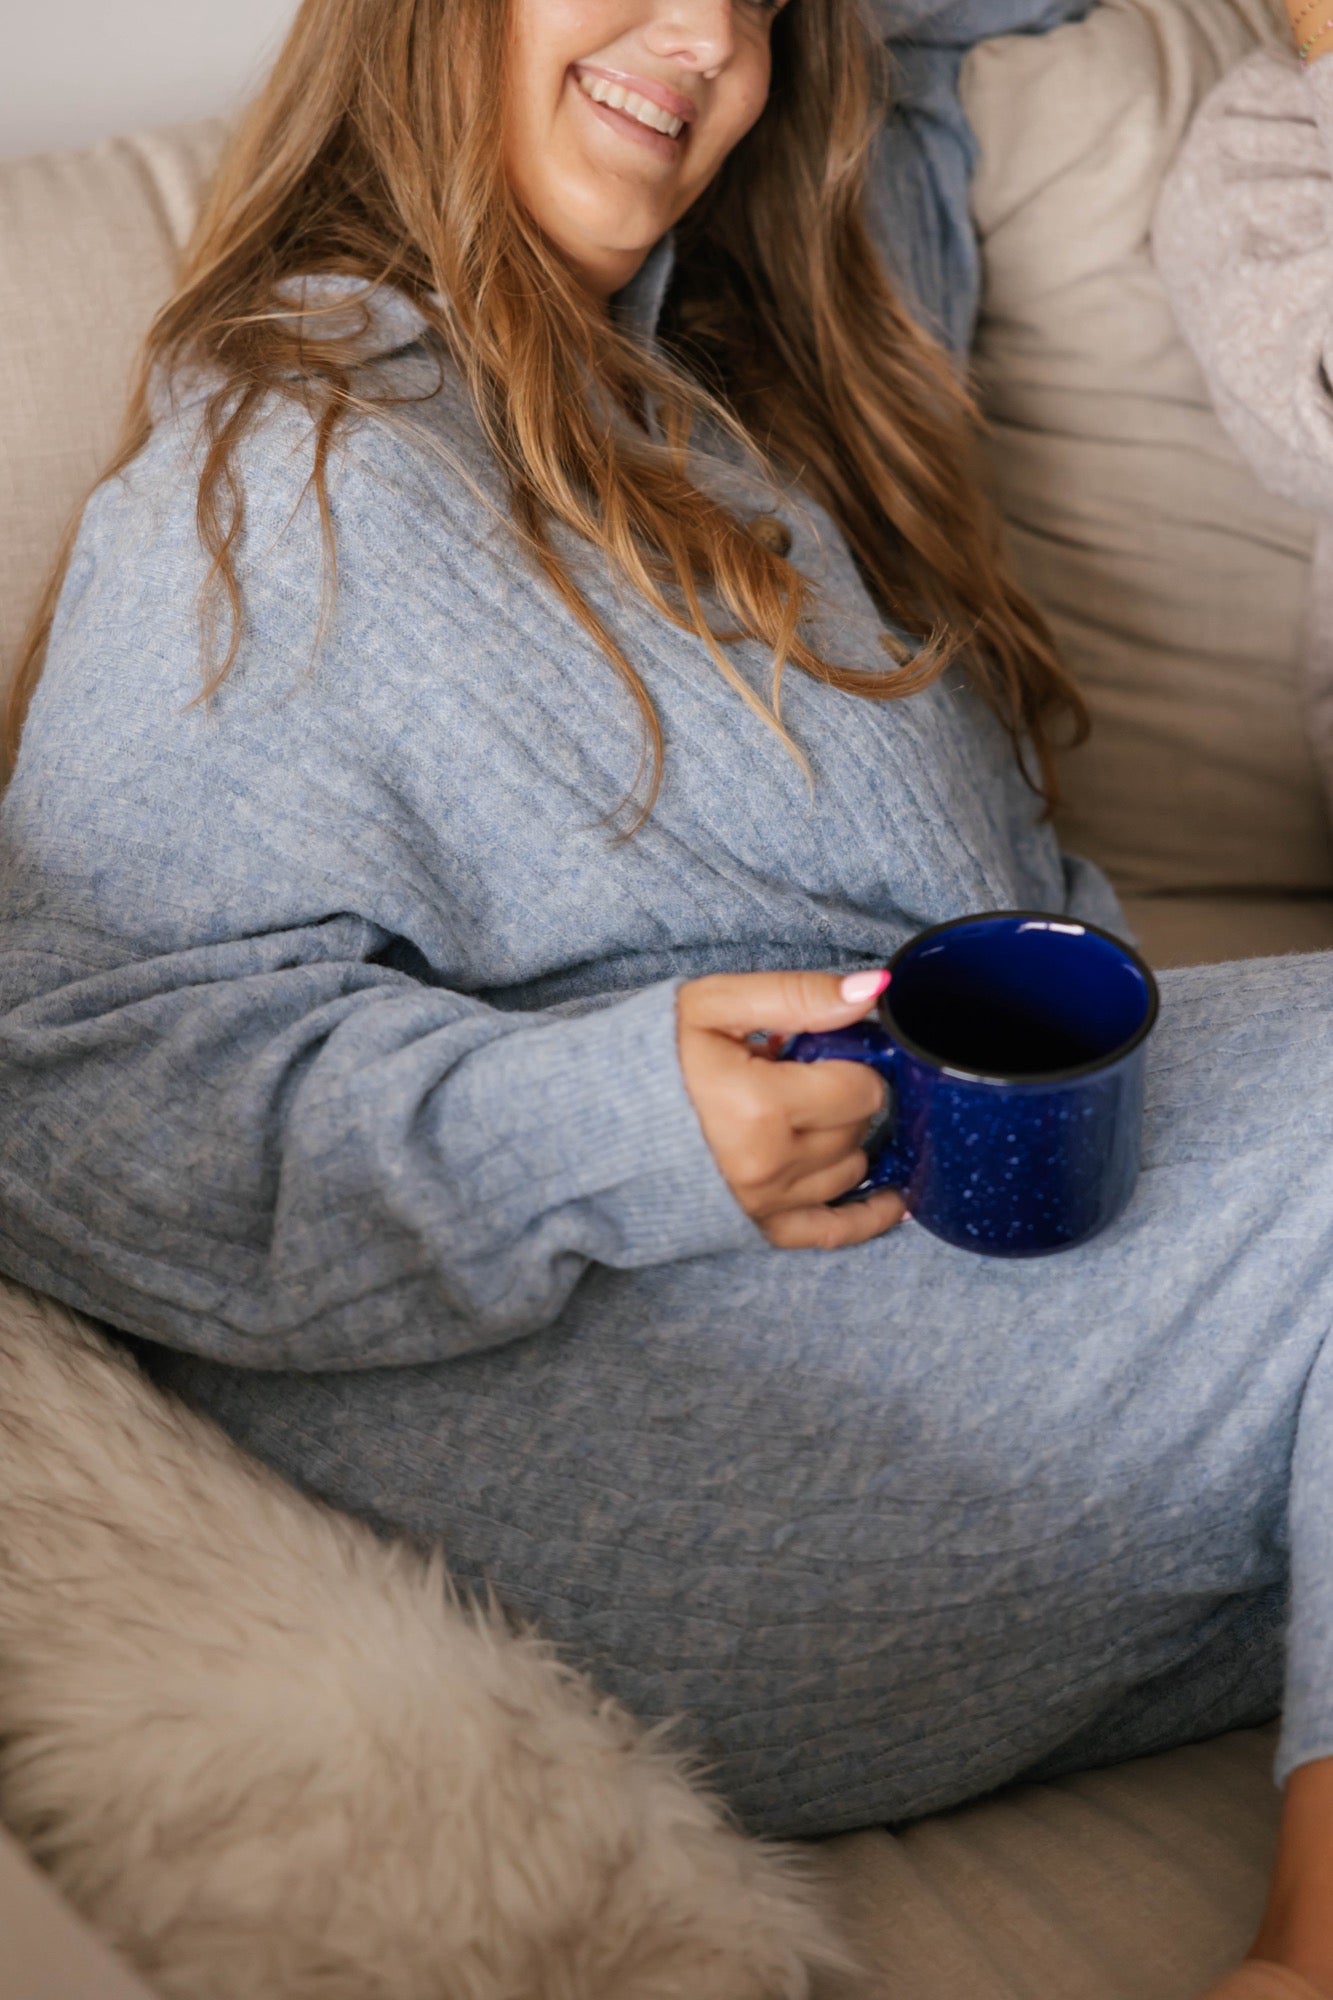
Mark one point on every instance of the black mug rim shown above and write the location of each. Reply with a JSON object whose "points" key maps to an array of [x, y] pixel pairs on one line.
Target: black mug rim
{"points": [[1036, 1078]]}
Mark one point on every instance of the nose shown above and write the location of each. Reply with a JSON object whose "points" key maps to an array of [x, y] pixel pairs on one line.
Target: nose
{"points": [[698, 34]]}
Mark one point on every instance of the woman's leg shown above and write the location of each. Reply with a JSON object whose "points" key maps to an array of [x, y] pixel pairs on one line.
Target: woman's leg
{"points": [[1297, 1929], [895, 1525]]}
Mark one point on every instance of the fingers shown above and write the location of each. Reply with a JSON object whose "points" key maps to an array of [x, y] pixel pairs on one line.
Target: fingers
{"points": [[819, 1096], [788, 1137], [812, 1161], [826, 1183], [741, 1003], [803, 1167], [745, 1105], [821, 1228]]}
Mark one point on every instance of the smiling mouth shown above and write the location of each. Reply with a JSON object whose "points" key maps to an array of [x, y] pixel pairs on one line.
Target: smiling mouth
{"points": [[629, 105]]}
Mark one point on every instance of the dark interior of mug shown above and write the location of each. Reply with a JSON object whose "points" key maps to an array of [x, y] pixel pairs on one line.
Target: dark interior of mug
{"points": [[1013, 996]]}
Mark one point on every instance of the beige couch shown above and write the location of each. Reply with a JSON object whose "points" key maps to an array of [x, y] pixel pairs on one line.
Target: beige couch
{"points": [[1178, 589]]}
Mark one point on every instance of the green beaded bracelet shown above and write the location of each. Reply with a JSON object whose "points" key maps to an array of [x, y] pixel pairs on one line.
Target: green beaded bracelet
{"points": [[1304, 50]]}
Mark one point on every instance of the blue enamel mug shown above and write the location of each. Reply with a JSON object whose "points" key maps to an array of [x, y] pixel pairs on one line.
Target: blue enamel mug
{"points": [[1013, 1047]]}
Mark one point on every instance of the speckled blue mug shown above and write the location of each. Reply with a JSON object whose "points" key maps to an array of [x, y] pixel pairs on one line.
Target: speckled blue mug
{"points": [[1013, 1047]]}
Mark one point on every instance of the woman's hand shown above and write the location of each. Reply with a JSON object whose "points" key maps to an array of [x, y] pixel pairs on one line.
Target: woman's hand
{"points": [[788, 1137]]}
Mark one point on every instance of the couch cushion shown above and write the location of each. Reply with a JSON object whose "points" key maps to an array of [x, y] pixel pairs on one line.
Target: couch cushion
{"points": [[49, 1954], [1139, 1883], [88, 246], [1175, 584], [1205, 930]]}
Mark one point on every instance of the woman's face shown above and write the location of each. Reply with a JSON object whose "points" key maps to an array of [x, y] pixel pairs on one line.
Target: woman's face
{"points": [[622, 111]]}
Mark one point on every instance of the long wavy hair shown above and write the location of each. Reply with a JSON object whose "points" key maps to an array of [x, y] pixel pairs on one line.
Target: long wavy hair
{"points": [[375, 151]]}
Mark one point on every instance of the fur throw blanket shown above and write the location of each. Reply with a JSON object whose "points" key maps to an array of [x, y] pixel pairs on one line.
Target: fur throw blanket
{"points": [[270, 1755]]}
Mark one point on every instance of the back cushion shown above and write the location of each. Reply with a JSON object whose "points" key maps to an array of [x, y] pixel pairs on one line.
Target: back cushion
{"points": [[1175, 585], [88, 250]]}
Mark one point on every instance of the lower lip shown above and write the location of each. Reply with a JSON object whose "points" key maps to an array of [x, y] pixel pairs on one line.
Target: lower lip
{"points": [[660, 143]]}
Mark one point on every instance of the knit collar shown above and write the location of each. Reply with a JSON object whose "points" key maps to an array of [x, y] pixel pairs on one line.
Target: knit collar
{"points": [[637, 306], [378, 321], [381, 321]]}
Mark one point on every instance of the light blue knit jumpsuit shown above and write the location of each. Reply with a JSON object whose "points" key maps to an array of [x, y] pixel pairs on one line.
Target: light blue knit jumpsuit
{"points": [[337, 1059]]}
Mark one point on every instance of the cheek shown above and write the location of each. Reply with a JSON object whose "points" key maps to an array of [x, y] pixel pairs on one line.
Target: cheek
{"points": [[748, 94], [546, 37], [537, 62]]}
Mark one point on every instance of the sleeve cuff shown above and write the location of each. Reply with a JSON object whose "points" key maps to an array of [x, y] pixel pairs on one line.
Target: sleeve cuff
{"points": [[590, 1119]]}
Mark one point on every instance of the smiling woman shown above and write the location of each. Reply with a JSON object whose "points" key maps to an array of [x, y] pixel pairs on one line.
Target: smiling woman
{"points": [[618, 123], [381, 151]]}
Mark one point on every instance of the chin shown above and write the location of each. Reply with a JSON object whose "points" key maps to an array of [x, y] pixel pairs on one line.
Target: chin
{"points": [[617, 236]]}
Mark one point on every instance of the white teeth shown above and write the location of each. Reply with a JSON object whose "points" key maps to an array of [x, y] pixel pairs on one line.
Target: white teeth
{"points": [[628, 101]]}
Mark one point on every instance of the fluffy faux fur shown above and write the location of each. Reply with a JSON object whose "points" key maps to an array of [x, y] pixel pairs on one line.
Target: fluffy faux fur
{"points": [[271, 1756]]}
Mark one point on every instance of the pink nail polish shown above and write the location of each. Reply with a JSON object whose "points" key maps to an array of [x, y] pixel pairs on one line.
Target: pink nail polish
{"points": [[862, 987]]}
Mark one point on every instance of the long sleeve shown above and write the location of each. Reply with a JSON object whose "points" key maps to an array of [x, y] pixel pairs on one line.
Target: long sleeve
{"points": [[922, 171], [1243, 242], [244, 1111]]}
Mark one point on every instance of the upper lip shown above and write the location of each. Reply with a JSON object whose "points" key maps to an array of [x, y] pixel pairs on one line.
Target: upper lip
{"points": [[643, 86]]}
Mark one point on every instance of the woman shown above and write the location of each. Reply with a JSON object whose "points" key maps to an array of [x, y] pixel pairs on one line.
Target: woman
{"points": [[384, 1035]]}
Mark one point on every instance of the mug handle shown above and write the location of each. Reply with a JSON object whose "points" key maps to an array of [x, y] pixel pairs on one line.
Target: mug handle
{"points": [[863, 1042]]}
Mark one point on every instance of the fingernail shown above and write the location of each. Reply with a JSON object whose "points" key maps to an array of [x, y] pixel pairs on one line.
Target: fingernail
{"points": [[863, 986]]}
